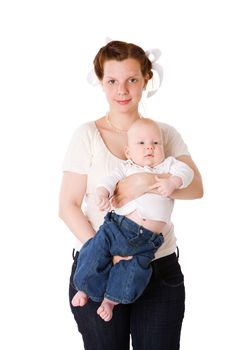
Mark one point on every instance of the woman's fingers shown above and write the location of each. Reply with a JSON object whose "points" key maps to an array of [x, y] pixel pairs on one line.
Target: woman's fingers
{"points": [[117, 258]]}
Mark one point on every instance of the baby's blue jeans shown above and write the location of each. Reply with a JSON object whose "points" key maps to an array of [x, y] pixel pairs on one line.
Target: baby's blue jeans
{"points": [[125, 281]]}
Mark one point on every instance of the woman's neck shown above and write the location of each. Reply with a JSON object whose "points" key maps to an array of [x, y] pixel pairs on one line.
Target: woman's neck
{"points": [[121, 122]]}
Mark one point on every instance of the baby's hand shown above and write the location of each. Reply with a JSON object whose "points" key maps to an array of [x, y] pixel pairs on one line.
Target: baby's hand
{"points": [[103, 203], [102, 198], [165, 187]]}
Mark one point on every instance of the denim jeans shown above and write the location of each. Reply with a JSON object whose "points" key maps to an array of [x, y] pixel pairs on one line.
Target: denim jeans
{"points": [[123, 282], [154, 320]]}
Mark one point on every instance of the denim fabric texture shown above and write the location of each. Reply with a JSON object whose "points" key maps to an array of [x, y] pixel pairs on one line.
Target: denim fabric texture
{"points": [[125, 281], [154, 320]]}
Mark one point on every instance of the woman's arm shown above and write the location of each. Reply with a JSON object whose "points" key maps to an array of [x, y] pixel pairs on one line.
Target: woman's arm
{"points": [[136, 185], [132, 187], [73, 189]]}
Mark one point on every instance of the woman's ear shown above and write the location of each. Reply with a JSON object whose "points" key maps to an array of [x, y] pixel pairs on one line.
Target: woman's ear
{"points": [[146, 79]]}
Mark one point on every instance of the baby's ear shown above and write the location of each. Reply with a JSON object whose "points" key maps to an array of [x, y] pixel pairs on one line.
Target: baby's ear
{"points": [[127, 152]]}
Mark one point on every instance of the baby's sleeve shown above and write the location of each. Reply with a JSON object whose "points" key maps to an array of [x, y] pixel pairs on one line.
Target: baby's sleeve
{"points": [[181, 170], [111, 181]]}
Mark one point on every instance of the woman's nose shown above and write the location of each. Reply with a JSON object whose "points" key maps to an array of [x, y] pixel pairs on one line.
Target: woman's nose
{"points": [[122, 90]]}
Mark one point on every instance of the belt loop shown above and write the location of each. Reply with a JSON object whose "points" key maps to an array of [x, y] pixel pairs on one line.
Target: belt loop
{"points": [[73, 253], [177, 253], [108, 216], [111, 214]]}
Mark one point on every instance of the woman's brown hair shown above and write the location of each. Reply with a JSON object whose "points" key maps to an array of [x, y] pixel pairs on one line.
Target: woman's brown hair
{"points": [[119, 51]]}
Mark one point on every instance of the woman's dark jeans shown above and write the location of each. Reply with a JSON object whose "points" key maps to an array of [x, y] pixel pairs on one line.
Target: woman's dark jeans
{"points": [[154, 320]]}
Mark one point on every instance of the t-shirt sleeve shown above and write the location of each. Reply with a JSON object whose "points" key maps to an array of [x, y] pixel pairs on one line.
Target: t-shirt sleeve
{"points": [[79, 154], [174, 144]]}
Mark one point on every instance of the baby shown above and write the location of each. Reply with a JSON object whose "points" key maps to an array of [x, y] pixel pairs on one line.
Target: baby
{"points": [[133, 230]]}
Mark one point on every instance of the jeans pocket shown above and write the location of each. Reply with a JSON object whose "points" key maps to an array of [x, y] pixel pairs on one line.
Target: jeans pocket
{"points": [[172, 276], [137, 241]]}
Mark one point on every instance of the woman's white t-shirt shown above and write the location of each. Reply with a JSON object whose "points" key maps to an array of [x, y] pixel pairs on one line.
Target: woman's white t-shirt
{"points": [[88, 154]]}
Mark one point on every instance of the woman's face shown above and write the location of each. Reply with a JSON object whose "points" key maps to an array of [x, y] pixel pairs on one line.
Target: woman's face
{"points": [[123, 83]]}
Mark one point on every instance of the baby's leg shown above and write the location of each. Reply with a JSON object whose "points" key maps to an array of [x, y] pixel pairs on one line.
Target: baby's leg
{"points": [[80, 299], [105, 309]]}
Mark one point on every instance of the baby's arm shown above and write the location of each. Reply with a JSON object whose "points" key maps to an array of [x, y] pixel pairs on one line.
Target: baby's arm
{"points": [[102, 198], [105, 189]]}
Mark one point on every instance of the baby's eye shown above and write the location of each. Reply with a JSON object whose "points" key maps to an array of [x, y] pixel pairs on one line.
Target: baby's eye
{"points": [[156, 143], [141, 143]]}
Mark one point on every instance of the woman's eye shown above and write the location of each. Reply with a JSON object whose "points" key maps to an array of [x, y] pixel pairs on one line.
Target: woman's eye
{"points": [[141, 143], [111, 82], [132, 80], [156, 143]]}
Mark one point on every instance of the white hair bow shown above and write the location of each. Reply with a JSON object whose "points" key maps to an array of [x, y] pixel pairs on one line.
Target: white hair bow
{"points": [[153, 56], [92, 77]]}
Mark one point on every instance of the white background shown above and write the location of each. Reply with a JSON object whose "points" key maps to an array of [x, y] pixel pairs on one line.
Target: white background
{"points": [[47, 48]]}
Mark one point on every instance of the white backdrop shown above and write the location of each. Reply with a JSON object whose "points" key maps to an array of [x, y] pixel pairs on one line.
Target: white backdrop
{"points": [[47, 48]]}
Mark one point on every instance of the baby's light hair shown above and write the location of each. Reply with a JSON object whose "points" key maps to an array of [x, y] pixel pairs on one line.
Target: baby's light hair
{"points": [[145, 121]]}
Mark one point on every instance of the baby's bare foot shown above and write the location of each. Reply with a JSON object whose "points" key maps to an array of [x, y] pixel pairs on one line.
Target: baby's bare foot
{"points": [[105, 309], [80, 299]]}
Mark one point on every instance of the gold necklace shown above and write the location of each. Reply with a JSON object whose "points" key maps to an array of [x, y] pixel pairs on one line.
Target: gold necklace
{"points": [[120, 131]]}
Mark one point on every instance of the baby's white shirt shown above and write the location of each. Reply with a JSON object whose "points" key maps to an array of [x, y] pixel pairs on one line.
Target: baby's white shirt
{"points": [[149, 206]]}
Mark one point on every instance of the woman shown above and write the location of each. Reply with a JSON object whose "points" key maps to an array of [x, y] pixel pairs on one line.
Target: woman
{"points": [[155, 319]]}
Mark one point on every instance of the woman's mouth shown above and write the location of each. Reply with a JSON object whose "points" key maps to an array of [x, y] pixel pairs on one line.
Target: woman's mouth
{"points": [[123, 102]]}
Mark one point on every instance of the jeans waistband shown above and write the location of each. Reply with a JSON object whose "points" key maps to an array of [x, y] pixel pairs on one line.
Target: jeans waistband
{"points": [[127, 224], [164, 262]]}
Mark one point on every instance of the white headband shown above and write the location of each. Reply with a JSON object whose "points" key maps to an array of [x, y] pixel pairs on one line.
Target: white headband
{"points": [[153, 55]]}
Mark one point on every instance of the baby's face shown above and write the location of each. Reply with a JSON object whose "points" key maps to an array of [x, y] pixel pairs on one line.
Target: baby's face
{"points": [[145, 147]]}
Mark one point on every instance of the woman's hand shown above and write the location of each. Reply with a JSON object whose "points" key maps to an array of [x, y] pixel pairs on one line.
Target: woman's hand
{"points": [[132, 187], [117, 258]]}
